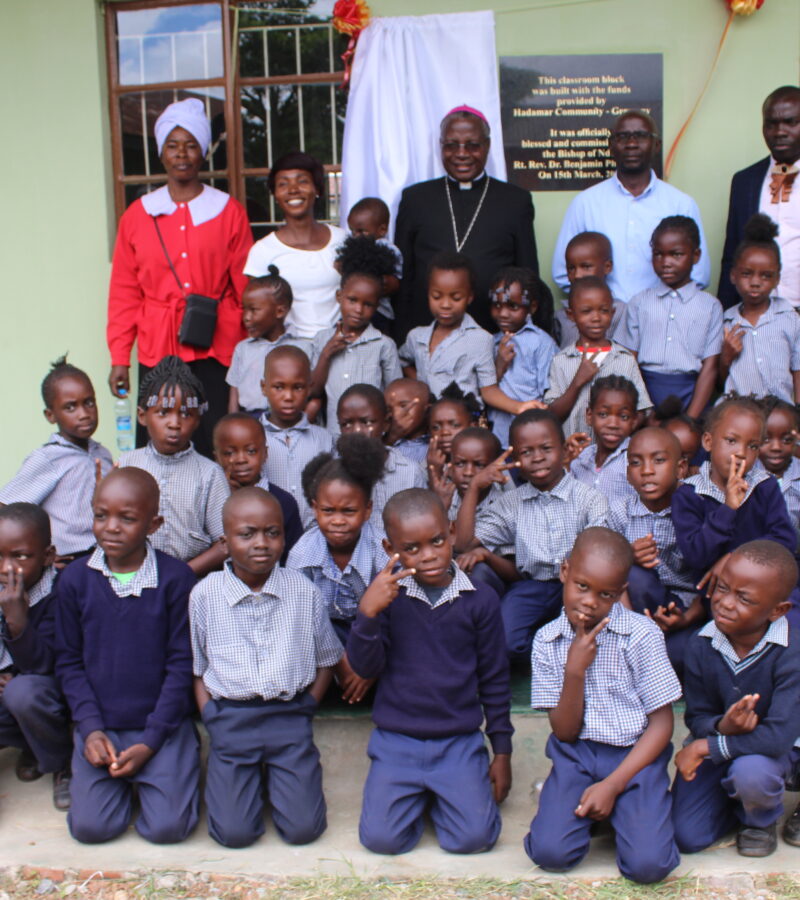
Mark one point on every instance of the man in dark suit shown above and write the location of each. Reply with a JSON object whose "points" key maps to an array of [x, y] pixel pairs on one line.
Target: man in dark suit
{"points": [[760, 188], [488, 220]]}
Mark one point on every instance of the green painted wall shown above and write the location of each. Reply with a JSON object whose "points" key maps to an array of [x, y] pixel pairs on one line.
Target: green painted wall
{"points": [[57, 221]]}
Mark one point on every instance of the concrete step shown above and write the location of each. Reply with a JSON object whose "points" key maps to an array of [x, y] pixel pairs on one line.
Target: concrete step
{"points": [[33, 833]]}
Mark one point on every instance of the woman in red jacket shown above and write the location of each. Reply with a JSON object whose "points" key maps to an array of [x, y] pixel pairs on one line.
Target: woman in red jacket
{"points": [[206, 238]]}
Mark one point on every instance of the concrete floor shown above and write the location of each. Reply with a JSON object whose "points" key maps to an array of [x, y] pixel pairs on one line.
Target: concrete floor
{"points": [[33, 833]]}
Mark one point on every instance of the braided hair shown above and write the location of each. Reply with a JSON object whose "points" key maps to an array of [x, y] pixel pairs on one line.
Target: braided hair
{"points": [[165, 379]]}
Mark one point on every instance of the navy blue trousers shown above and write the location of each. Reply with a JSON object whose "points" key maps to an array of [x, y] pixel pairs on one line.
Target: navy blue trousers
{"points": [[747, 791], [448, 775], [245, 736], [660, 386], [526, 606], [646, 592], [34, 716], [168, 786], [559, 840]]}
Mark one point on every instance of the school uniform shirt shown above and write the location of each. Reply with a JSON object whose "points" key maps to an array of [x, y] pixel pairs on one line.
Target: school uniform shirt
{"points": [[526, 377], [385, 307], [399, 474], [60, 477], [770, 352], [496, 491], [628, 221], [672, 330], [415, 449], [715, 678], [193, 491], [289, 450], [618, 361], [265, 644], [341, 589], [464, 356], [629, 517], [247, 367], [540, 527], [611, 479], [789, 484], [707, 529], [370, 359], [122, 650], [208, 239], [32, 652], [630, 677], [442, 665], [312, 275]]}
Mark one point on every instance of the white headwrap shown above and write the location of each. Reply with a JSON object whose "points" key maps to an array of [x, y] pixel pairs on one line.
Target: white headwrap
{"points": [[189, 114]]}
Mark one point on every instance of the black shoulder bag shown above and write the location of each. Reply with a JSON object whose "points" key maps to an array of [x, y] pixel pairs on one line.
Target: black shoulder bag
{"points": [[200, 316]]}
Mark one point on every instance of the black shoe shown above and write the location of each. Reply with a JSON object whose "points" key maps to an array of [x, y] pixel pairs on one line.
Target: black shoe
{"points": [[61, 795], [757, 841], [791, 828], [27, 768]]}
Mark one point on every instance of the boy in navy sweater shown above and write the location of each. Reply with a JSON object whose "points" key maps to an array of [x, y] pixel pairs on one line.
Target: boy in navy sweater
{"points": [[33, 713], [125, 664], [436, 641], [742, 681]]}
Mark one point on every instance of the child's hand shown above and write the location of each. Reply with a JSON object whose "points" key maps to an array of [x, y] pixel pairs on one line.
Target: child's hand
{"points": [[354, 687], [436, 458], [467, 561], [98, 750], [506, 351], [741, 717], [645, 552], [732, 344], [710, 579], [441, 484], [583, 649], [494, 473], [401, 421], [5, 677], [14, 600], [525, 405], [500, 776], [574, 445], [338, 341], [130, 761], [736, 486], [688, 760], [597, 801], [587, 369], [384, 588], [668, 618]]}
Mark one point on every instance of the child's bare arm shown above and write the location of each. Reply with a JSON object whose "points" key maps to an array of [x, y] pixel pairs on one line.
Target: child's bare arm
{"points": [[588, 368], [505, 568], [233, 399], [338, 341], [493, 396], [208, 561], [201, 695], [321, 683], [704, 386], [597, 801]]}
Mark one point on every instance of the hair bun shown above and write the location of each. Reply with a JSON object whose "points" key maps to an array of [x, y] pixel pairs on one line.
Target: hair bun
{"points": [[760, 229], [273, 270]]}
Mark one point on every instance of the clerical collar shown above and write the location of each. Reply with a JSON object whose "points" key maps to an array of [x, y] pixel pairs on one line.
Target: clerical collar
{"points": [[467, 185]]}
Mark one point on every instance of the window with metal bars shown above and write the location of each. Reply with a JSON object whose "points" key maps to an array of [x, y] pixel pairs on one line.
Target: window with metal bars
{"points": [[267, 72]]}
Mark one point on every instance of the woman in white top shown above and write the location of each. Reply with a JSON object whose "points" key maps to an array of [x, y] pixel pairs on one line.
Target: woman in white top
{"points": [[303, 249]]}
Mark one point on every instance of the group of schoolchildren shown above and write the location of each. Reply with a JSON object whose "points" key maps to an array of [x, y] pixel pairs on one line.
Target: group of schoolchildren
{"points": [[433, 529]]}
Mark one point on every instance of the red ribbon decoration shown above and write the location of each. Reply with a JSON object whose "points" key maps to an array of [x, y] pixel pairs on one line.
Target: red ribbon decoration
{"points": [[351, 17]]}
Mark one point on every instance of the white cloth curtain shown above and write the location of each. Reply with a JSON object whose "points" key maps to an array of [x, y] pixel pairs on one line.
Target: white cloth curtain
{"points": [[407, 73]]}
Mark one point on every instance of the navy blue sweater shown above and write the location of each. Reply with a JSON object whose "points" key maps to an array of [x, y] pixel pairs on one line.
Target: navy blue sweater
{"points": [[33, 651], [711, 686], [440, 669], [125, 662], [707, 529]]}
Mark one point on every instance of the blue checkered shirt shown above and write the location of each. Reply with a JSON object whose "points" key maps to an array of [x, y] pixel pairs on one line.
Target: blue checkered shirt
{"points": [[770, 352], [247, 366], [415, 449], [790, 488], [466, 356], [633, 520], [703, 484], [399, 474], [289, 450], [540, 527], [341, 589], [146, 576], [496, 491], [672, 330], [630, 678], [611, 479], [526, 377], [37, 592], [193, 491], [618, 361], [449, 594], [60, 477], [370, 359], [264, 644]]}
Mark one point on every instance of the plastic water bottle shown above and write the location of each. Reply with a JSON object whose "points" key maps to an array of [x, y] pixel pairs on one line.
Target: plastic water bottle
{"points": [[122, 414]]}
